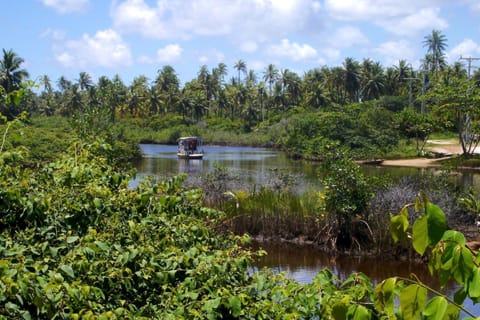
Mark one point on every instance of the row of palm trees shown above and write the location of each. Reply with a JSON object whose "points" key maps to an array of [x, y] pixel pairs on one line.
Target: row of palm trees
{"points": [[245, 96]]}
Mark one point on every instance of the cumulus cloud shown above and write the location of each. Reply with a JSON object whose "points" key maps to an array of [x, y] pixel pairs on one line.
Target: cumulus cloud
{"points": [[393, 51], [54, 34], [105, 49], [424, 19], [169, 53], [135, 16], [248, 46], [66, 6], [401, 18], [212, 56], [473, 4], [348, 36], [255, 20], [467, 48], [293, 50]]}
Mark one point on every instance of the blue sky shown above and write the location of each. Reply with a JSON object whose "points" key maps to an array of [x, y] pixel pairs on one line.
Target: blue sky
{"points": [[138, 37]]}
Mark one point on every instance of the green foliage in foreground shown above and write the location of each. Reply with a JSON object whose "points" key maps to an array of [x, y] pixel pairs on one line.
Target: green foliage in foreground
{"points": [[449, 258], [77, 243]]}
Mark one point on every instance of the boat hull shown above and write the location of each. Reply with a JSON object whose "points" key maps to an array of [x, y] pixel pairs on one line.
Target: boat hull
{"points": [[190, 156]]}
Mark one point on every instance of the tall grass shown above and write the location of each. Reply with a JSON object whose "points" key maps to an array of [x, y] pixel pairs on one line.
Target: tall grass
{"points": [[276, 214]]}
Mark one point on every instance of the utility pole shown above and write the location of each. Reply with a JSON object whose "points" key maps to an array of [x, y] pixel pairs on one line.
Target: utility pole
{"points": [[424, 87], [469, 60], [467, 116]]}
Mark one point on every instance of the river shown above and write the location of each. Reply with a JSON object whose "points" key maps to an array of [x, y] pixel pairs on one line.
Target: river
{"points": [[256, 165]]}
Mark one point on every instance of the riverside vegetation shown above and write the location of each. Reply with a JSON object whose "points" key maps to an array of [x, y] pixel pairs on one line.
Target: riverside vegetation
{"points": [[77, 242]]}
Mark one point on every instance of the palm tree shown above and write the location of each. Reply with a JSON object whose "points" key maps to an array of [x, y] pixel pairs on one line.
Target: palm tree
{"points": [[335, 83], [168, 86], [84, 81], [261, 95], [290, 88], [270, 75], [373, 80], [47, 83], [11, 75], [221, 71], [313, 92], [251, 79], [64, 84], [402, 74], [47, 95], [352, 78], [139, 96], [436, 44], [240, 66]]}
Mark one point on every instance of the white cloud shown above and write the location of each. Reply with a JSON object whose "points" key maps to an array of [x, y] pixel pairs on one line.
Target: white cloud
{"points": [[316, 6], [135, 16], [467, 48], [145, 59], [424, 19], [474, 5], [54, 34], [377, 9], [66, 6], [257, 65], [330, 54], [240, 20], [248, 46], [211, 56], [393, 51], [169, 53], [292, 50], [398, 17], [348, 36], [105, 49]]}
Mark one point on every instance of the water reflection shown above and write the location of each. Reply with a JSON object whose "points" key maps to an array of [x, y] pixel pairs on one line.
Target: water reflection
{"points": [[190, 167], [303, 263], [255, 165], [247, 164]]}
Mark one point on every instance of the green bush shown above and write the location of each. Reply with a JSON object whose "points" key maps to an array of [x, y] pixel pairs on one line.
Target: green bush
{"points": [[347, 194]]}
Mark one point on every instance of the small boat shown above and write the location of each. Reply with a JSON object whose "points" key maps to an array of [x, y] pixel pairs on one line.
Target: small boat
{"points": [[189, 148]]}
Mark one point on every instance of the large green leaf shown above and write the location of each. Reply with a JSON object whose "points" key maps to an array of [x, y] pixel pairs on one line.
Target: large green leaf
{"points": [[474, 284], [358, 312], [437, 223], [412, 301], [435, 308], [420, 235], [384, 296], [463, 261], [454, 236], [399, 227]]}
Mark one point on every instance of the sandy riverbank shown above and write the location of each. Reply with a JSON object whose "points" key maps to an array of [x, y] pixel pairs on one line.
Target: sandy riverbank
{"points": [[448, 148]]}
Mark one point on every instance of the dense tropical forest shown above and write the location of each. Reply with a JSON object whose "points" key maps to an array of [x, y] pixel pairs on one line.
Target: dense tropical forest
{"points": [[372, 110], [76, 242]]}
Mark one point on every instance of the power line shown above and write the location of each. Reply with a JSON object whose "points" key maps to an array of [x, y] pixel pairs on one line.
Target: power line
{"points": [[469, 60]]}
